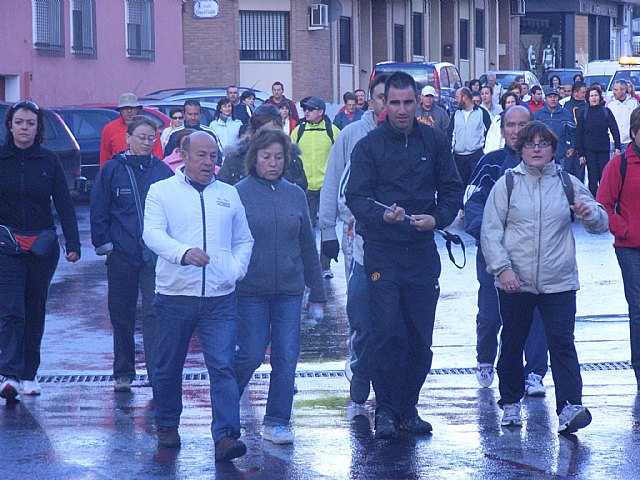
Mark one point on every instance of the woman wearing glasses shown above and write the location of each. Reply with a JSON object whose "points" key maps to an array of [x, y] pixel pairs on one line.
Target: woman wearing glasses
{"points": [[177, 117], [117, 203], [30, 177], [528, 244]]}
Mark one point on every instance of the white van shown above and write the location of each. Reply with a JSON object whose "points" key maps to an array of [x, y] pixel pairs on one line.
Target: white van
{"points": [[600, 71]]}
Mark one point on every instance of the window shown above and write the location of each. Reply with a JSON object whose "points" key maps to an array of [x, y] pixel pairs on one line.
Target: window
{"points": [[48, 27], [479, 28], [345, 40], [464, 39], [83, 28], [264, 36], [418, 34], [398, 43], [138, 18]]}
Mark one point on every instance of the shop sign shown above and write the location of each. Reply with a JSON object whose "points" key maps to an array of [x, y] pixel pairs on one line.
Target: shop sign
{"points": [[597, 8]]}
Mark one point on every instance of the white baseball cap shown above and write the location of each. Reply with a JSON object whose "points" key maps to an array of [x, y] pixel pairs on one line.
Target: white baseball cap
{"points": [[428, 90]]}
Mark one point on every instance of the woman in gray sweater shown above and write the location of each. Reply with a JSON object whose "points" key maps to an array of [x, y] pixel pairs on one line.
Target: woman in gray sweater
{"points": [[283, 261]]}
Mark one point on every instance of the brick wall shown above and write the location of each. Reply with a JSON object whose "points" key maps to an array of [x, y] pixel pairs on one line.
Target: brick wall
{"points": [[310, 57], [211, 46]]}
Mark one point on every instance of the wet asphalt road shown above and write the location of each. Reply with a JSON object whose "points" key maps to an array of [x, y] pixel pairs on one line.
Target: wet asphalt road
{"points": [[79, 428]]}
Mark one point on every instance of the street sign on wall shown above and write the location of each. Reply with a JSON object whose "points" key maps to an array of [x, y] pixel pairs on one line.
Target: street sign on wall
{"points": [[206, 9]]}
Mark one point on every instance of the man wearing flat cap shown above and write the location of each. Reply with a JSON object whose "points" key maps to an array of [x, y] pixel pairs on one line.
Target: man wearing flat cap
{"points": [[315, 136], [113, 134]]}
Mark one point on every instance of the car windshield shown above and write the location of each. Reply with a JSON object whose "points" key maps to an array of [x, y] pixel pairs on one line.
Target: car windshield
{"points": [[422, 74], [601, 79], [630, 75]]}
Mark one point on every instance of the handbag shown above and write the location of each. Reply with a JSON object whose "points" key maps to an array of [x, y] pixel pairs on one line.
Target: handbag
{"points": [[39, 244], [148, 256]]}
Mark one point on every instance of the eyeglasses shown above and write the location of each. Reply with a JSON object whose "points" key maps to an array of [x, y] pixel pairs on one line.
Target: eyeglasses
{"points": [[144, 138], [532, 145], [177, 118], [26, 103]]}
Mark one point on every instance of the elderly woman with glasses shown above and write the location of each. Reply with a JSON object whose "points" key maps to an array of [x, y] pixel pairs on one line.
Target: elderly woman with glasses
{"points": [[117, 212], [30, 177], [528, 244], [266, 117]]}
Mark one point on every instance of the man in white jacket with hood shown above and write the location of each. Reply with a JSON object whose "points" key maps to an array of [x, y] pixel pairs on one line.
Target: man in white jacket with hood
{"points": [[198, 228]]}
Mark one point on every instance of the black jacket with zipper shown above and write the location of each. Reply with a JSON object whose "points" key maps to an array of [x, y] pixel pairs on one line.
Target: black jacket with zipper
{"points": [[29, 179]]}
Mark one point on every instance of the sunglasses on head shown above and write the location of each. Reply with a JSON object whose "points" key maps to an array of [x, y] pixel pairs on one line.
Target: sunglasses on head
{"points": [[26, 103]]}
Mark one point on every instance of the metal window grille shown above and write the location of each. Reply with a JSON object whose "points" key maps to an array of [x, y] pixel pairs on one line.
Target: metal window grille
{"points": [[345, 40], [264, 36], [83, 28], [48, 27], [140, 29], [418, 35]]}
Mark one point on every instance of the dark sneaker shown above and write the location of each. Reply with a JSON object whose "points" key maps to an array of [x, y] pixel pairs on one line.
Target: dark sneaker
{"points": [[385, 425], [572, 418], [415, 425], [168, 437], [359, 389], [123, 384], [9, 390], [229, 448]]}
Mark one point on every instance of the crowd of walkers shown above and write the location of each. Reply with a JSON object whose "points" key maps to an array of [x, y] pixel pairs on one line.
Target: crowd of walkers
{"points": [[216, 234]]}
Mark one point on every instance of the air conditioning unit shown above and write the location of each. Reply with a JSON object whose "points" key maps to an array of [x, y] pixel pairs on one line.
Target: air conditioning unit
{"points": [[517, 8], [318, 16]]}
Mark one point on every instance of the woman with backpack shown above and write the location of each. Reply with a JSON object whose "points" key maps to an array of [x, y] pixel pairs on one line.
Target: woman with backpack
{"points": [[528, 245], [619, 193], [594, 122]]}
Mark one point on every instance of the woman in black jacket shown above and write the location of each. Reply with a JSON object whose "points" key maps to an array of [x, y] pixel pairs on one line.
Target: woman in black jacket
{"points": [[594, 122], [116, 231], [30, 176]]}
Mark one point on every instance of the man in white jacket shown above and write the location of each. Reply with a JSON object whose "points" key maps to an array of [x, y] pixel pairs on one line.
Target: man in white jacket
{"points": [[621, 105], [198, 228]]}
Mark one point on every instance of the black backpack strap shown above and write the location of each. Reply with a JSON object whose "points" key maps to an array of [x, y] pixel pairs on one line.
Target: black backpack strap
{"points": [[567, 186], [301, 126], [623, 174], [329, 127]]}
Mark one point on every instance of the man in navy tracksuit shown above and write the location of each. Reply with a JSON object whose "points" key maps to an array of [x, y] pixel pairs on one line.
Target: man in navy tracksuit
{"points": [[561, 122], [404, 165]]}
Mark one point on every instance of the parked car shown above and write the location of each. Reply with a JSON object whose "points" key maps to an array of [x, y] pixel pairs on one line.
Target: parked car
{"points": [[86, 124], [207, 109], [600, 71], [203, 94], [566, 75], [161, 119], [505, 77], [442, 76], [58, 138]]}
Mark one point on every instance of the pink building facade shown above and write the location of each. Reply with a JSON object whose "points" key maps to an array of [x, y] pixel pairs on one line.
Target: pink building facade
{"points": [[62, 52]]}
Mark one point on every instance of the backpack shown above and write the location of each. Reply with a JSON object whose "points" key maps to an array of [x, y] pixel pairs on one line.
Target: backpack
{"points": [[565, 179], [327, 125], [623, 173]]}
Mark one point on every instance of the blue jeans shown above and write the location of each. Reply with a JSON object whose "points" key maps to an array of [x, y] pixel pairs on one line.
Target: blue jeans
{"points": [[359, 315], [558, 311], [215, 318], [276, 319], [488, 324], [629, 261]]}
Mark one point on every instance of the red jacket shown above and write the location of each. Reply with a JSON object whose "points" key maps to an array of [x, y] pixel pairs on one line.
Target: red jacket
{"points": [[534, 107], [293, 110], [113, 141], [624, 226]]}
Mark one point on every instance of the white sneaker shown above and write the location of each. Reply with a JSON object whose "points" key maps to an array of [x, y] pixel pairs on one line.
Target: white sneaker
{"points": [[533, 386], [572, 418], [511, 415], [485, 374], [278, 434], [10, 390], [30, 387], [327, 274]]}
